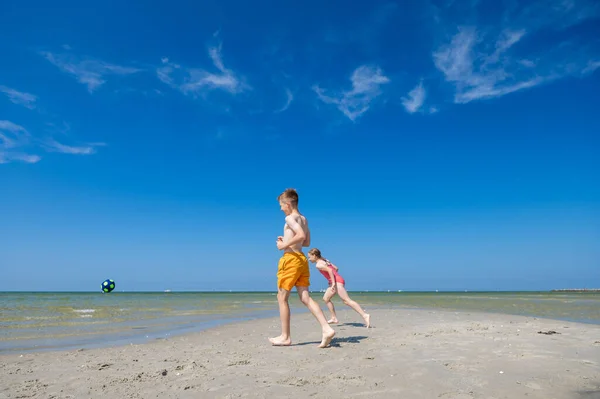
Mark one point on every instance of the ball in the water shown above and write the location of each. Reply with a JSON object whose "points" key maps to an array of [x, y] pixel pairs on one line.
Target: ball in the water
{"points": [[108, 285]]}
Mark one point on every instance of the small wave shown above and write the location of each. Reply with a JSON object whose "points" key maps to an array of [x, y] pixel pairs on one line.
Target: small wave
{"points": [[84, 310]]}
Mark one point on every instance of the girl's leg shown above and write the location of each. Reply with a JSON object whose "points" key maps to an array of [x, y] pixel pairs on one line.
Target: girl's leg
{"points": [[327, 298], [346, 298]]}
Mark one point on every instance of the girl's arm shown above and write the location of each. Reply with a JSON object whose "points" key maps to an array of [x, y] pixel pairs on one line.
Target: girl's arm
{"points": [[332, 265]]}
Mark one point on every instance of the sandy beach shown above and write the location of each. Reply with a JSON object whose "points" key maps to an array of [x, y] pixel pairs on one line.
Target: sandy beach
{"points": [[408, 353]]}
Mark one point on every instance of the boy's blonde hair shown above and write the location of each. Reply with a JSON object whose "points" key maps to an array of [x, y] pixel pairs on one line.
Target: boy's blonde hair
{"points": [[289, 195], [315, 252]]}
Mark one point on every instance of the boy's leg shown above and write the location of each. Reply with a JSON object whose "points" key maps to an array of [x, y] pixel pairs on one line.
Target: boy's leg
{"points": [[285, 283], [346, 298], [328, 332], [327, 298], [284, 314]]}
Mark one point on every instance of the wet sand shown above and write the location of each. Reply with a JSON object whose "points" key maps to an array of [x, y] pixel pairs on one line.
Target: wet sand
{"points": [[408, 353]]}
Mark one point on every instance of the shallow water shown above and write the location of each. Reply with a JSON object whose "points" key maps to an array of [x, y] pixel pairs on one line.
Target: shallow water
{"points": [[60, 320]]}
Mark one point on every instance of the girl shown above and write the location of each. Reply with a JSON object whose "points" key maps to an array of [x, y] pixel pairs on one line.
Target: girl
{"points": [[336, 285]]}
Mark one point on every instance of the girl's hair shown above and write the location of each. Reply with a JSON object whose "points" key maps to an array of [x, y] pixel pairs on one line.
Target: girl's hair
{"points": [[315, 252]]}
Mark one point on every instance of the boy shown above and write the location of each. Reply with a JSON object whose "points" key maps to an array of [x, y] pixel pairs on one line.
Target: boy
{"points": [[293, 270]]}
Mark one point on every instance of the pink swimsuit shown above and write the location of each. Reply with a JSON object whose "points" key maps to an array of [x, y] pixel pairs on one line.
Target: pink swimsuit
{"points": [[338, 278]]}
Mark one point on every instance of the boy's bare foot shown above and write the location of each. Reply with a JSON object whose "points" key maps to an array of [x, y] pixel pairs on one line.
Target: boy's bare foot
{"points": [[327, 337], [333, 320], [367, 318], [280, 341]]}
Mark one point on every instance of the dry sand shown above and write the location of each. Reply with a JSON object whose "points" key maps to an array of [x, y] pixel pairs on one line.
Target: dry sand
{"points": [[408, 354]]}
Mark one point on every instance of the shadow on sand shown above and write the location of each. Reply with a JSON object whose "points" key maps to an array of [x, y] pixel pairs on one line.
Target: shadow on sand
{"points": [[590, 394], [337, 341], [351, 324]]}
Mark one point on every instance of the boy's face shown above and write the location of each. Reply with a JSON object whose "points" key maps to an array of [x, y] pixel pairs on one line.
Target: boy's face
{"points": [[285, 207]]}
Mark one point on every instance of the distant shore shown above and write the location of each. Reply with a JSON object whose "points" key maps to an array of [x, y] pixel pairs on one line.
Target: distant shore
{"points": [[577, 290], [409, 353]]}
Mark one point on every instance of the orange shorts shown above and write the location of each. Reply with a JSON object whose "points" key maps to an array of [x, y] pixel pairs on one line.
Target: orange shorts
{"points": [[293, 271]]}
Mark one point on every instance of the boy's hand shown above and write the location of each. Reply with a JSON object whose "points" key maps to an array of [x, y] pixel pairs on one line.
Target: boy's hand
{"points": [[280, 244]]}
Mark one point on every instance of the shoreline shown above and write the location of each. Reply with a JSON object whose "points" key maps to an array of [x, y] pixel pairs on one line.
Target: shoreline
{"points": [[129, 337], [409, 352]]}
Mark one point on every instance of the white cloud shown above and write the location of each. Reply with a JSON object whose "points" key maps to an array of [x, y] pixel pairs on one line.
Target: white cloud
{"points": [[591, 67], [477, 75], [194, 81], [366, 87], [527, 63], [415, 99], [505, 41], [90, 72], [290, 98], [15, 139], [489, 62], [21, 98], [13, 136], [164, 73], [54, 146], [7, 157]]}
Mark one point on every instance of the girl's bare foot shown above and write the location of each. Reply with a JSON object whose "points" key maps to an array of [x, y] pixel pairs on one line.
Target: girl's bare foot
{"points": [[333, 320], [367, 318], [281, 341], [327, 337]]}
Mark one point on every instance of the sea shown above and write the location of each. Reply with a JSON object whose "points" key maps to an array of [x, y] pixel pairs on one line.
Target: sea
{"points": [[42, 321]]}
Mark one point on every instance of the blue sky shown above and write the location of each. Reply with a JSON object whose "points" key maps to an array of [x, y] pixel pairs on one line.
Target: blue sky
{"points": [[435, 144]]}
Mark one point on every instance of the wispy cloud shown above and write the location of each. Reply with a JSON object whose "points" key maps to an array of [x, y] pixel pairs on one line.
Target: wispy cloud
{"points": [[488, 62], [195, 81], [21, 98], [7, 157], [52, 145], [92, 73], [366, 87], [415, 99], [288, 102], [12, 137], [591, 67], [16, 142], [478, 75]]}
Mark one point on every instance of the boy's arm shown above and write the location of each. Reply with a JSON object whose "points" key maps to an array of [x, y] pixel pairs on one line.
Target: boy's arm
{"points": [[299, 235]]}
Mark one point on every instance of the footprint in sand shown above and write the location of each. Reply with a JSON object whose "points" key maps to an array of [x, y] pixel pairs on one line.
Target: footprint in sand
{"points": [[456, 395], [533, 385]]}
